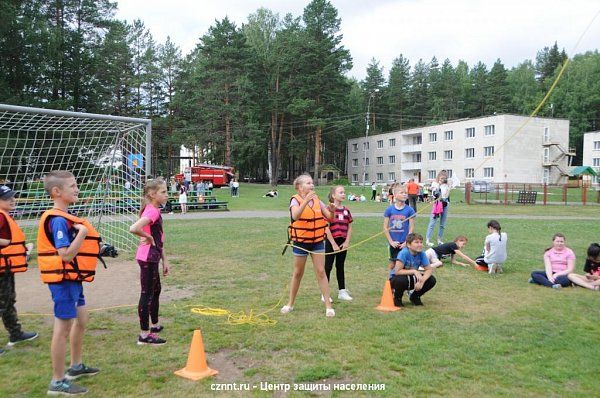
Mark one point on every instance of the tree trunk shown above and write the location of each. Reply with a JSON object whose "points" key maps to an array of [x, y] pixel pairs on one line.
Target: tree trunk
{"points": [[317, 154]]}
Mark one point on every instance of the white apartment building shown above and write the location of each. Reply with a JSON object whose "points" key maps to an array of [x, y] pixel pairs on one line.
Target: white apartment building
{"points": [[591, 152], [499, 148]]}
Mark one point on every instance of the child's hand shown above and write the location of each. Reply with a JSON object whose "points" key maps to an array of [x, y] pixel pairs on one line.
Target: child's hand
{"points": [[335, 247], [80, 228], [344, 245], [418, 286], [166, 268], [396, 244], [310, 197], [147, 241]]}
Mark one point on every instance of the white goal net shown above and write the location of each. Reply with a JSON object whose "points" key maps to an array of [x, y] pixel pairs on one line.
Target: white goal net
{"points": [[108, 155]]}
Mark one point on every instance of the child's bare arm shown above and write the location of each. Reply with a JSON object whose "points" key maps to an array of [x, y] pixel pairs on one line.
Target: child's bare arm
{"points": [[463, 255], [4, 242], [137, 229]]}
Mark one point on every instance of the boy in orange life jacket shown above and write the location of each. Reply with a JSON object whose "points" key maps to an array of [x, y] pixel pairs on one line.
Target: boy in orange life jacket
{"points": [[13, 258], [61, 239]]}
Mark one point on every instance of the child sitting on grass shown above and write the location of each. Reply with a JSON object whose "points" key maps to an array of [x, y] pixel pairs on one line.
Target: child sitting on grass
{"points": [[591, 279], [494, 249]]}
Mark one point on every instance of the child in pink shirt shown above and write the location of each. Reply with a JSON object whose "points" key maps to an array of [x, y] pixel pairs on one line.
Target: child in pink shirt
{"points": [[149, 254], [559, 262]]}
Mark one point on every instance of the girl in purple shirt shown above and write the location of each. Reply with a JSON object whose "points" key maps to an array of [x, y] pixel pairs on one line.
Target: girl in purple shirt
{"points": [[150, 252]]}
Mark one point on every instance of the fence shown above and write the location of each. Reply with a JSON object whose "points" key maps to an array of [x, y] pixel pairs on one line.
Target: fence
{"points": [[523, 194]]}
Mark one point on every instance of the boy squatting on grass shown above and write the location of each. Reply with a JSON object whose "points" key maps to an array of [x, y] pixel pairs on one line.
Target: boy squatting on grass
{"points": [[406, 275], [68, 247], [13, 259]]}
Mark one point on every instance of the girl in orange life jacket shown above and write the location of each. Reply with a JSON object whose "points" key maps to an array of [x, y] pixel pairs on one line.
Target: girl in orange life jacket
{"points": [[150, 252], [13, 258], [307, 232]]}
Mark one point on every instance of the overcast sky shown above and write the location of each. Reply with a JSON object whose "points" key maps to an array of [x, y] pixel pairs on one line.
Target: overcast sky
{"points": [[471, 30]]}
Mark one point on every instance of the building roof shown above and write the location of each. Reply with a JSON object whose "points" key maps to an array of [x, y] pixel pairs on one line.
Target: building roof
{"points": [[583, 170]]}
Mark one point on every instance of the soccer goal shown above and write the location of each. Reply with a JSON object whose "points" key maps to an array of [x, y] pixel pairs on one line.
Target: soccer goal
{"points": [[109, 156]]}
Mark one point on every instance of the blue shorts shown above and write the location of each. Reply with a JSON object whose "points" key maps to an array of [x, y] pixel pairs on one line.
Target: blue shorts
{"points": [[67, 296], [318, 247]]}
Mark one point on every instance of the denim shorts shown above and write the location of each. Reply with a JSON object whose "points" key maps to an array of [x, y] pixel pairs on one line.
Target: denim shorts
{"points": [[67, 296], [318, 247]]}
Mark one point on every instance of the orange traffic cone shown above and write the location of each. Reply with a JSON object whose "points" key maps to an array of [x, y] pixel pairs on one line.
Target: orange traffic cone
{"points": [[387, 299], [196, 367]]}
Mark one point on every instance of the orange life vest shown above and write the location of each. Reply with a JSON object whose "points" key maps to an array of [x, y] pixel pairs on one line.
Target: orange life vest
{"points": [[14, 256], [52, 268], [310, 226]]}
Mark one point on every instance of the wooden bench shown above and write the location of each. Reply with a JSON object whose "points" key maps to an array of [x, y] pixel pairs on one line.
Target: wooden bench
{"points": [[527, 197], [210, 203]]}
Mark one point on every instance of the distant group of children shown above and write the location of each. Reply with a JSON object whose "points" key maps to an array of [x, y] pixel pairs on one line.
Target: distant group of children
{"points": [[325, 230]]}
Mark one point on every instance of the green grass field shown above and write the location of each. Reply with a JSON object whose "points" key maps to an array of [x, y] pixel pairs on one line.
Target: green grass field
{"points": [[477, 335]]}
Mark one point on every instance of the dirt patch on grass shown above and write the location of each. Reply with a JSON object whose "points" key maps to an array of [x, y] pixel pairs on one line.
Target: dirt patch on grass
{"points": [[119, 285]]}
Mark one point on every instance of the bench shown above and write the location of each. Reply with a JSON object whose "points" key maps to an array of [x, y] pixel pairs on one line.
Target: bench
{"points": [[527, 197], [210, 203]]}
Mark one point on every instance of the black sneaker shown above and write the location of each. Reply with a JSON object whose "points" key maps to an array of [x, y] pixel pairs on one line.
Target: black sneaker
{"points": [[67, 388], [398, 302], [151, 339], [416, 300], [73, 374], [156, 329], [25, 336]]}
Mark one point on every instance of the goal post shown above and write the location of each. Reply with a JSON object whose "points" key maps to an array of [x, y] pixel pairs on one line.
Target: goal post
{"points": [[109, 156]]}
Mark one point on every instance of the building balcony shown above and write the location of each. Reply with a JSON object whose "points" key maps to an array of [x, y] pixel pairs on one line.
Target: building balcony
{"points": [[411, 148], [411, 165]]}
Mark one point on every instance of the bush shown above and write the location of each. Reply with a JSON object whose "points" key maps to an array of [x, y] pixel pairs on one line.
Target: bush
{"points": [[341, 181]]}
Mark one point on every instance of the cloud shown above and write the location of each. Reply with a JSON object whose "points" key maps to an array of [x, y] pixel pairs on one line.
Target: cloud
{"points": [[469, 30]]}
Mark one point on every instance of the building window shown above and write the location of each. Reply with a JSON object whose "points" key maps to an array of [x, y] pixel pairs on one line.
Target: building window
{"points": [[379, 159], [392, 159], [596, 162], [392, 142], [392, 176], [546, 134], [366, 161], [432, 174], [546, 176], [354, 177], [449, 172], [365, 145], [354, 162], [448, 155], [432, 137], [469, 173], [417, 140], [488, 172], [470, 153], [432, 155], [366, 177], [380, 144], [448, 135], [596, 145], [416, 157], [488, 151], [470, 132], [379, 176], [489, 130]]}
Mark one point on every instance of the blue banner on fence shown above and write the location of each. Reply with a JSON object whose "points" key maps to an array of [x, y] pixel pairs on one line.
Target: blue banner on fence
{"points": [[135, 161]]}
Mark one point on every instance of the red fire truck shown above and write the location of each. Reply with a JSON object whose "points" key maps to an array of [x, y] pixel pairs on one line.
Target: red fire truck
{"points": [[219, 175]]}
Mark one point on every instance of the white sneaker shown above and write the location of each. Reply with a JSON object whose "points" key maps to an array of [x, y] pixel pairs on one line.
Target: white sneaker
{"points": [[286, 309], [329, 312], [344, 295], [428, 243], [492, 268], [323, 299], [440, 242]]}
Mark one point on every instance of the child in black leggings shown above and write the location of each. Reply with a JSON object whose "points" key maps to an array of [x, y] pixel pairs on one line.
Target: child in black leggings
{"points": [[338, 238]]}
